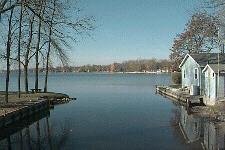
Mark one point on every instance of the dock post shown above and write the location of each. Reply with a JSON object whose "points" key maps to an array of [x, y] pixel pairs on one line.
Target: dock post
{"points": [[188, 103]]}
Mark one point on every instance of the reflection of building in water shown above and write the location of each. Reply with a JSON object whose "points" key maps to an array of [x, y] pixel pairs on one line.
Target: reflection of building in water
{"points": [[214, 136], [191, 126], [198, 129]]}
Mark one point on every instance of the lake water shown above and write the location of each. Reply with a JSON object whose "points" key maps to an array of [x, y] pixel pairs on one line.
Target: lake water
{"points": [[112, 112]]}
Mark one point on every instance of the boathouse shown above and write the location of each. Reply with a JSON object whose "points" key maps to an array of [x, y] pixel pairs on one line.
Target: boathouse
{"points": [[214, 83], [192, 66]]}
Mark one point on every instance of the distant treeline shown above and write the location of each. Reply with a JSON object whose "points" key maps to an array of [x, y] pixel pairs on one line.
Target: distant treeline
{"points": [[139, 65]]}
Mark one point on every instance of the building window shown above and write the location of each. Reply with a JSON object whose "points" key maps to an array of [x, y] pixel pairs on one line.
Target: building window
{"points": [[213, 74], [196, 73], [196, 127], [184, 73]]}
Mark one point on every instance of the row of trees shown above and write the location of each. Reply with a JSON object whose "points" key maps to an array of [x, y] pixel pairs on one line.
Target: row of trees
{"points": [[202, 34], [139, 65], [38, 31]]}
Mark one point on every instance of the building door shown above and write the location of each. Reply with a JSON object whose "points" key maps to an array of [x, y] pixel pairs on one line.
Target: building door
{"points": [[224, 86], [207, 84]]}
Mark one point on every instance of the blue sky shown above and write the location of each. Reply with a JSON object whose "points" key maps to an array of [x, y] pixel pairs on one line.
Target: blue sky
{"points": [[131, 29]]}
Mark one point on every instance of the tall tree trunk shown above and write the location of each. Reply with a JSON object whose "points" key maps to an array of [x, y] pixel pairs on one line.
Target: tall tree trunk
{"points": [[49, 49], [37, 55], [27, 55], [19, 49], [8, 49], [47, 67], [41, 13], [26, 77]]}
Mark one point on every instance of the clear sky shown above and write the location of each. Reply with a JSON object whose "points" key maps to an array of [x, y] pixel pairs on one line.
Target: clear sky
{"points": [[131, 29]]}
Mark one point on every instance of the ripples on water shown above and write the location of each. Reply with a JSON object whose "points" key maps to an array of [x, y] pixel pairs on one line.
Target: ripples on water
{"points": [[112, 111]]}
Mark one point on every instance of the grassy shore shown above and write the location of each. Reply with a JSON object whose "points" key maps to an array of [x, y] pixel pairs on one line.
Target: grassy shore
{"points": [[218, 110], [27, 104], [13, 96]]}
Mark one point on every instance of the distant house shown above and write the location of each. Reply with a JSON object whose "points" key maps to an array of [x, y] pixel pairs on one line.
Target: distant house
{"points": [[192, 66], [214, 83]]}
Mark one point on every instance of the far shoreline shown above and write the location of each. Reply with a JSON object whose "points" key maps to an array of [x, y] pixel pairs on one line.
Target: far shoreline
{"points": [[100, 72]]}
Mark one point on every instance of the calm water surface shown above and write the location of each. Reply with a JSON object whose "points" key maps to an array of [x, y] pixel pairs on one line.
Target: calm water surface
{"points": [[112, 111]]}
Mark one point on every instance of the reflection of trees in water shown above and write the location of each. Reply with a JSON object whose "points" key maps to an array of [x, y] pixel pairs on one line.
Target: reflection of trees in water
{"points": [[174, 121], [38, 135], [53, 137], [49, 133], [41, 135], [57, 140], [21, 140], [9, 143]]}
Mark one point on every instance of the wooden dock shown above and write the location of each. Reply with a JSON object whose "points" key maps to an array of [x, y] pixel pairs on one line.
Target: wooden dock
{"points": [[181, 96]]}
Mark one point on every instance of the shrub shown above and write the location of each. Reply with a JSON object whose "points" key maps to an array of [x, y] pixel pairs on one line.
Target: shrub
{"points": [[176, 77]]}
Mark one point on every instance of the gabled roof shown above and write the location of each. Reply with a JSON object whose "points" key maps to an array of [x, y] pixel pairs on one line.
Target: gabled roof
{"points": [[203, 59], [214, 67]]}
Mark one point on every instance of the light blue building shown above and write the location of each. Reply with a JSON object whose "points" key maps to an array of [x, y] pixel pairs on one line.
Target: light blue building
{"points": [[214, 83], [192, 67]]}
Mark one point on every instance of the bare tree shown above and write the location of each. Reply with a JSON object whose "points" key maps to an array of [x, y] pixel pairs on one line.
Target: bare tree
{"points": [[199, 36], [41, 12], [19, 49], [8, 50], [49, 45], [27, 53], [43, 28], [58, 39]]}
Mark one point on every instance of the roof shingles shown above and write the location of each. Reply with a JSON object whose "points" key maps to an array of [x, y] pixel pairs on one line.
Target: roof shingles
{"points": [[208, 58]]}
